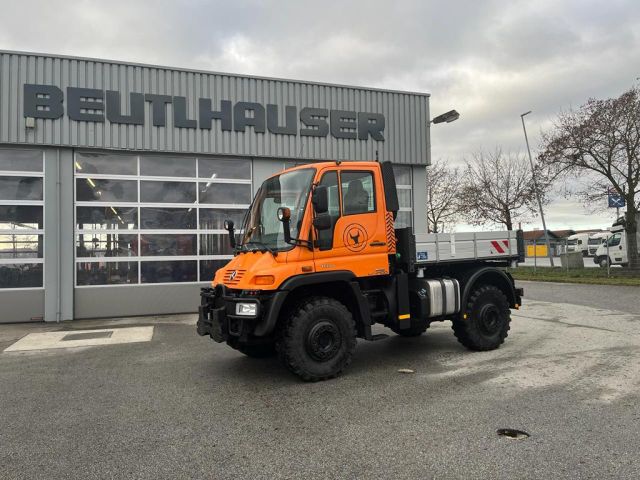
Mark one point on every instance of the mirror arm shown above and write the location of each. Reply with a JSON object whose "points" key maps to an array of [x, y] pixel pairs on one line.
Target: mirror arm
{"points": [[232, 237], [287, 230]]}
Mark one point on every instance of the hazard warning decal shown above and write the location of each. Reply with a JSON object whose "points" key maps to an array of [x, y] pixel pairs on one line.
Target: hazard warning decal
{"points": [[499, 246]]}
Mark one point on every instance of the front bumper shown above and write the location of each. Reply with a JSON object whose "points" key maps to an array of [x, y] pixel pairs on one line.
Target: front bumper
{"points": [[217, 315]]}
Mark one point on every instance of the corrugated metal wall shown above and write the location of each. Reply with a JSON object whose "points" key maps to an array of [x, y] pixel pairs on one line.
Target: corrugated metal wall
{"points": [[407, 114]]}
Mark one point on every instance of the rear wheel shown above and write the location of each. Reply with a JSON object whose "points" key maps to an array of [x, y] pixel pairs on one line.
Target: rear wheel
{"points": [[487, 319], [317, 340]]}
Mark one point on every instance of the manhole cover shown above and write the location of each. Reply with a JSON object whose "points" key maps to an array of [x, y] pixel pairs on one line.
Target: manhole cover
{"points": [[86, 336], [512, 433]]}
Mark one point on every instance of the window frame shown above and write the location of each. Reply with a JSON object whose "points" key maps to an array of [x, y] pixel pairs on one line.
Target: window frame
{"points": [[340, 210], [39, 232], [139, 231], [373, 186]]}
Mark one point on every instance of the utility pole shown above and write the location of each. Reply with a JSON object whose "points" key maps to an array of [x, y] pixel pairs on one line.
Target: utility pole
{"points": [[535, 186]]}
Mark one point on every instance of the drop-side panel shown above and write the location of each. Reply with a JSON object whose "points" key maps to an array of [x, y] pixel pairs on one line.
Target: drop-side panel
{"points": [[451, 247]]}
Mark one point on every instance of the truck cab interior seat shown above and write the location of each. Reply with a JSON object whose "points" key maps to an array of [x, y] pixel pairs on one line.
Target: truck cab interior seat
{"points": [[356, 200]]}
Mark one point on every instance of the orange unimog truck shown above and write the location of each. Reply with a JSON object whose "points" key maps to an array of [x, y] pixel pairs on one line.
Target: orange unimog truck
{"points": [[318, 263]]}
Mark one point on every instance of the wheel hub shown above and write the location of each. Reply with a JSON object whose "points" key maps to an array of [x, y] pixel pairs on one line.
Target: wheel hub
{"points": [[490, 319], [323, 341]]}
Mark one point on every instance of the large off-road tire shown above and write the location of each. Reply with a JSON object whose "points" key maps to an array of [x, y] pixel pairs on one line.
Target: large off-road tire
{"points": [[487, 322], [413, 331], [316, 341], [263, 350]]}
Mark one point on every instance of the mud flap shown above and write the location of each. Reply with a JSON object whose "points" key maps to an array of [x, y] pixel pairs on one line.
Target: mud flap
{"points": [[402, 294]]}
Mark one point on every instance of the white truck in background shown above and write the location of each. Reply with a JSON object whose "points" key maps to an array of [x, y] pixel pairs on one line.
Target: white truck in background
{"points": [[595, 240], [578, 242], [614, 250]]}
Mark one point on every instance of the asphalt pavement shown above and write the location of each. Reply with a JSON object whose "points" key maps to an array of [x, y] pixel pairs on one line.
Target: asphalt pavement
{"points": [[611, 297], [181, 406]]}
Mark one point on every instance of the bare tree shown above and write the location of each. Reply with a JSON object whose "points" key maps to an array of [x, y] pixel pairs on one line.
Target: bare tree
{"points": [[443, 192], [600, 142], [499, 188]]}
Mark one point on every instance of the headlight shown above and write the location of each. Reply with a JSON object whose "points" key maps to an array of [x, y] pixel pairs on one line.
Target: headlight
{"points": [[247, 309]]}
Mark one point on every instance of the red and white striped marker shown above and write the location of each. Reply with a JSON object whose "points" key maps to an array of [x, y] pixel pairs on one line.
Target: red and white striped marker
{"points": [[500, 245]]}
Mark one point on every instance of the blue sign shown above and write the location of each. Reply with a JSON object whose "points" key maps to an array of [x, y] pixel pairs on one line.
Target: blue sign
{"points": [[615, 200]]}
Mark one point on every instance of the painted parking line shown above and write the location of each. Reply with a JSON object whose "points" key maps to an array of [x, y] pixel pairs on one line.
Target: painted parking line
{"points": [[81, 338]]}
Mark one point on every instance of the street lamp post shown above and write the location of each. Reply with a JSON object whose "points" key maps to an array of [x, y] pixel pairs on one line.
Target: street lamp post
{"points": [[447, 117], [535, 186]]}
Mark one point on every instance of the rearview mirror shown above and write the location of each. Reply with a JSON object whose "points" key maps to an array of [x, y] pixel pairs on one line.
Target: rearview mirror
{"points": [[320, 199]]}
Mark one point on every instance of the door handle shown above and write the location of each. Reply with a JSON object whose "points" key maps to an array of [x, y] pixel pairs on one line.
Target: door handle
{"points": [[377, 244]]}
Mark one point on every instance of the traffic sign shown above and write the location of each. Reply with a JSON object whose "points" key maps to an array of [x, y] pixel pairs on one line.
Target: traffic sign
{"points": [[615, 200]]}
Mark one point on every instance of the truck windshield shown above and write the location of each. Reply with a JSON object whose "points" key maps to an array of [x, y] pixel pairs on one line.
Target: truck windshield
{"points": [[262, 229], [596, 241], [572, 242]]}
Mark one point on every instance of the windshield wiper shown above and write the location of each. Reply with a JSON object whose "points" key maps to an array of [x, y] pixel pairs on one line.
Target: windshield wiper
{"points": [[264, 247]]}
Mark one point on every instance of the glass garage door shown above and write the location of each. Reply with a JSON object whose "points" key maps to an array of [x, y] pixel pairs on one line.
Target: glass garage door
{"points": [[21, 219], [155, 219], [405, 193]]}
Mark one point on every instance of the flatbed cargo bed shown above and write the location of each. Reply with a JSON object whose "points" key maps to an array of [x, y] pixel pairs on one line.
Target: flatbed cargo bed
{"points": [[433, 248]]}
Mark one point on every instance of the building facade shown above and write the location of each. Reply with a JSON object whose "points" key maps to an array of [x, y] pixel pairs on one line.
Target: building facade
{"points": [[115, 178]]}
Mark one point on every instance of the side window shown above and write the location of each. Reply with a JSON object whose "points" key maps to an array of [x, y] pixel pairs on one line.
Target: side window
{"points": [[615, 240], [358, 194], [325, 237]]}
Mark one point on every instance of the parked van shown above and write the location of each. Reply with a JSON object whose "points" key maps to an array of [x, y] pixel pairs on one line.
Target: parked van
{"points": [[578, 242], [595, 240], [614, 250]]}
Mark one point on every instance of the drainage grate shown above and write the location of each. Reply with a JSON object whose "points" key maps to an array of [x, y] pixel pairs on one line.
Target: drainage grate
{"points": [[512, 433], [86, 336]]}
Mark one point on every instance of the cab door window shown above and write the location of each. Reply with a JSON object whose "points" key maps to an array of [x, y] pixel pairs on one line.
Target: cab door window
{"points": [[325, 237], [614, 241], [358, 195]]}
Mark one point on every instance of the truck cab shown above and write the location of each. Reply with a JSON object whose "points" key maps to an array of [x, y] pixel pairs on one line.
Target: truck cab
{"points": [[317, 263], [614, 250], [595, 240], [578, 242]]}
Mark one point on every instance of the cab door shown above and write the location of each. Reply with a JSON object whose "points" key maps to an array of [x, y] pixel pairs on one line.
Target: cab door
{"points": [[356, 240]]}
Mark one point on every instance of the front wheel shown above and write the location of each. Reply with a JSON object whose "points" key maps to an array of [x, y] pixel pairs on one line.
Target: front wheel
{"points": [[316, 342], [603, 262], [487, 319]]}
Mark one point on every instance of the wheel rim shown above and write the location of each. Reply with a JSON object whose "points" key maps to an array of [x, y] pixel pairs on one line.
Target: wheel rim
{"points": [[323, 341], [490, 319]]}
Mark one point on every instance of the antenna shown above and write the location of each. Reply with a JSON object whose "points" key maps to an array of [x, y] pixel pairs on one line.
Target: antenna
{"points": [[377, 159]]}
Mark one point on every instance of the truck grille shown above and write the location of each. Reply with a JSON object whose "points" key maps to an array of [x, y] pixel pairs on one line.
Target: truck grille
{"points": [[232, 277]]}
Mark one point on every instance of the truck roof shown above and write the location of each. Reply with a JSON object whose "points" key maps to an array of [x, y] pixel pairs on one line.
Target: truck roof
{"points": [[319, 165]]}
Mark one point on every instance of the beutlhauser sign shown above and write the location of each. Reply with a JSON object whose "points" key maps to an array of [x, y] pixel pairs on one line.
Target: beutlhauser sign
{"points": [[94, 105]]}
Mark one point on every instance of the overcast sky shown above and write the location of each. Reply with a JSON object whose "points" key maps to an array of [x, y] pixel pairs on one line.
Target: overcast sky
{"points": [[491, 60]]}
